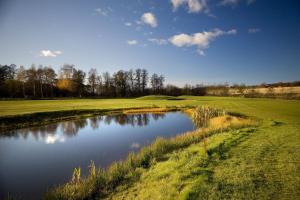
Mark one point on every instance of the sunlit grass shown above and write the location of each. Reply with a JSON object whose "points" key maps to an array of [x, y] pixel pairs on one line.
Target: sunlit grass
{"points": [[260, 163]]}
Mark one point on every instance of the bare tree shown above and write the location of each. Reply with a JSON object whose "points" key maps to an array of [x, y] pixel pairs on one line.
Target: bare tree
{"points": [[138, 80], [130, 82], [99, 85], [31, 74], [21, 76], [50, 76], [78, 81], [144, 81], [92, 80], [41, 77], [120, 82]]}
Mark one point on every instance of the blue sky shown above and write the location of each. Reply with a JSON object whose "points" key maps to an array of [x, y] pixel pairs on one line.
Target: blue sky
{"points": [[189, 41]]}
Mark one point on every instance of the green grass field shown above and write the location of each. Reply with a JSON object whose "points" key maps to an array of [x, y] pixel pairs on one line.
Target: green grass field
{"points": [[249, 163]]}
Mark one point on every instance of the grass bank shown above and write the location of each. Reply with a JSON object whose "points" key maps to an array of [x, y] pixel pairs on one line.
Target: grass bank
{"points": [[43, 118], [26, 113]]}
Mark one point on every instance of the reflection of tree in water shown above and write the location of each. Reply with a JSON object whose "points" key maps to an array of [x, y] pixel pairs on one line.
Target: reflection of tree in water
{"points": [[95, 121], [12, 133], [36, 132], [157, 116], [122, 119], [139, 120], [146, 119], [71, 128], [48, 130], [108, 119], [132, 119]]}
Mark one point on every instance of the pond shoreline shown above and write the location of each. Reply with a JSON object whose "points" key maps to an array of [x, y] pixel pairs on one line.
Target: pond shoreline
{"points": [[104, 182], [14, 122], [68, 144]]}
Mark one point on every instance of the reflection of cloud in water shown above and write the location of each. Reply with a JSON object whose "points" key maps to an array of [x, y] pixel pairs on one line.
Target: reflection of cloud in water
{"points": [[135, 145], [52, 139]]}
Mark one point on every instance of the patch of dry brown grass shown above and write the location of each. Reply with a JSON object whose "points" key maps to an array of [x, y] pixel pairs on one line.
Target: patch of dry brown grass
{"points": [[229, 121]]}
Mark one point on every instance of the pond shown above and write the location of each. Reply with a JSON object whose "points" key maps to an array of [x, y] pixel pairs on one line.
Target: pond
{"points": [[38, 158]]}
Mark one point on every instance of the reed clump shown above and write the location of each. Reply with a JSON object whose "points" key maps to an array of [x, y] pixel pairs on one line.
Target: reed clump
{"points": [[202, 114]]}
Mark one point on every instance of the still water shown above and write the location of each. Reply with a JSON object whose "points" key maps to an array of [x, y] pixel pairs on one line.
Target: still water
{"points": [[34, 159]]}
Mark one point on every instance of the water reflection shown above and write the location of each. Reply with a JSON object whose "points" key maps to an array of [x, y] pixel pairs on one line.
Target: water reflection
{"points": [[48, 133], [135, 145], [48, 154]]}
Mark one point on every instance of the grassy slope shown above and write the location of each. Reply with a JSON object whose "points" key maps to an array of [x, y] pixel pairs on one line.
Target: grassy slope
{"points": [[264, 163]]}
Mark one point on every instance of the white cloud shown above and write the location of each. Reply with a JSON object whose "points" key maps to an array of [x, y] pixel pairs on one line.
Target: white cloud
{"points": [[149, 18], [232, 32], [132, 42], [194, 6], [57, 52], [158, 41], [235, 2], [101, 11], [49, 53], [201, 40], [200, 52], [253, 30], [127, 24], [229, 2]]}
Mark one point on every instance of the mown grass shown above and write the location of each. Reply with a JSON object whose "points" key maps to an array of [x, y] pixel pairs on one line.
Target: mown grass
{"points": [[262, 164]]}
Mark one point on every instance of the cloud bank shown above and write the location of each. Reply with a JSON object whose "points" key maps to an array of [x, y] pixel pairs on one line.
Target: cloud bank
{"points": [[132, 42], [193, 6], [201, 40], [158, 41]]}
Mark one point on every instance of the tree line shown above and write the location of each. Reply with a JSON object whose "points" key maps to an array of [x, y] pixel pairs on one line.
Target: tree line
{"points": [[44, 82]]}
